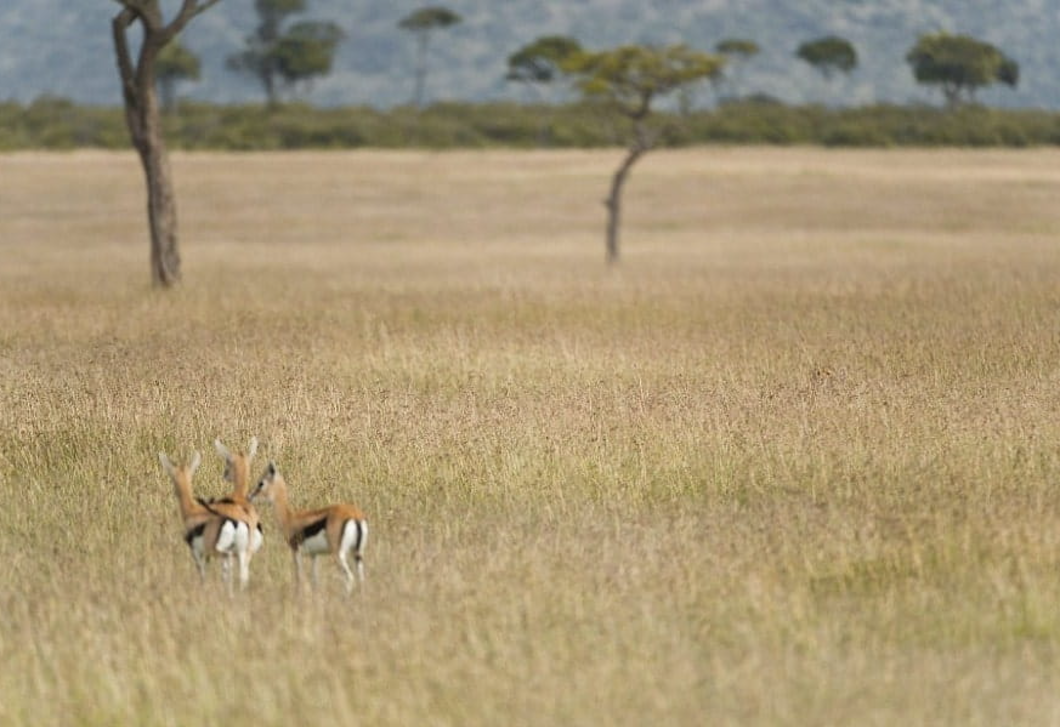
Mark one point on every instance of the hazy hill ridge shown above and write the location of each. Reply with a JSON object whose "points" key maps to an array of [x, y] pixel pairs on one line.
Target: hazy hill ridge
{"points": [[62, 48]]}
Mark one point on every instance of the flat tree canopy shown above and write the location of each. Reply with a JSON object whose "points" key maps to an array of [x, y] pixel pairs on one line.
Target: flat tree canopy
{"points": [[429, 18], [630, 77], [542, 61], [960, 65], [829, 54], [307, 50], [738, 47]]}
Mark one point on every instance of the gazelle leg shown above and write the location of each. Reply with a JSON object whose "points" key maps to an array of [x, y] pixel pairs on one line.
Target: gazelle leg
{"points": [[360, 566], [200, 565], [297, 556], [346, 569], [244, 568], [316, 572], [226, 571]]}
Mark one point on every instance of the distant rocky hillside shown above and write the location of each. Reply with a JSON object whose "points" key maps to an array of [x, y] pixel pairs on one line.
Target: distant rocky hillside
{"points": [[63, 48]]}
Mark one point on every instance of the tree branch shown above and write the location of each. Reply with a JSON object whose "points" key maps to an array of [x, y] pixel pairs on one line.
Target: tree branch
{"points": [[188, 10], [120, 25], [134, 5], [147, 12]]}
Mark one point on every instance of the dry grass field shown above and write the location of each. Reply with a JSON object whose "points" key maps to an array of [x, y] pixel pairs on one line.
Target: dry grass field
{"points": [[795, 463]]}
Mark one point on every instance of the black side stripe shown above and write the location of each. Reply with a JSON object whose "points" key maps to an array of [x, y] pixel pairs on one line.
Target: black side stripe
{"points": [[195, 532], [309, 531], [314, 528]]}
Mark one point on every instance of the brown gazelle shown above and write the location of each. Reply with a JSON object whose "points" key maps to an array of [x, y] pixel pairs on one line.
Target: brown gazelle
{"points": [[223, 529], [336, 530], [237, 471]]}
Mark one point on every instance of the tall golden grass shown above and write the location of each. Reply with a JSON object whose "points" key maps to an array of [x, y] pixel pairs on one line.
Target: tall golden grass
{"points": [[794, 462]]}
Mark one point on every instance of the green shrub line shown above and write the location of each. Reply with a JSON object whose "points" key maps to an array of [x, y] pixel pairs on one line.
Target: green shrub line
{"points": [[55, 123]]}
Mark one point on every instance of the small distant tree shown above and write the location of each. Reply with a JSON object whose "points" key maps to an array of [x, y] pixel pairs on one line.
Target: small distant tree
{"points": [[737, 52], [281, 59], [174, 64], [627, 81], [306, 51], [829, 55], [960, 65], [421, 23], [142, 117], [540, 66]]}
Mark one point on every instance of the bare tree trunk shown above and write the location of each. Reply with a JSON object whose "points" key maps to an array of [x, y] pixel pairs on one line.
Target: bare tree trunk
{"points": [[143, 118], [161, 209], [614, 202], [640, 146]]}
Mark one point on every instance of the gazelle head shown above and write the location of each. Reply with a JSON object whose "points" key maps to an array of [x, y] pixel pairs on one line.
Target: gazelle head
{"points": [[182, 474], [237, 464], [271, 481]]}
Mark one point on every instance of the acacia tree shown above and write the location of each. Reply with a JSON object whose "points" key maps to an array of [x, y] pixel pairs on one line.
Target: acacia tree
{"points": [[306, 51], [960, 65], [540, 65], [627, 80], [280, 58], [138, 79], [737, 52], [421, 23], [174, 64], [829, 55]]}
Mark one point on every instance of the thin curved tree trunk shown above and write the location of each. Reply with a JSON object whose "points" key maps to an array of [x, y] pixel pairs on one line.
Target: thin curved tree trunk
{"points": [[640, 146], [614, 202]]}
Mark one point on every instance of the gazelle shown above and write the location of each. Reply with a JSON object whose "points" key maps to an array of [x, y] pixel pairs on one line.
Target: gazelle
{"points": [[223, 529], [237, 471], [336, 529]]}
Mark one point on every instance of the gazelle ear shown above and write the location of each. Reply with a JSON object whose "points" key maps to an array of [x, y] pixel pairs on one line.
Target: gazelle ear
{"points": [[252, 448], [196, 460], [166, 464], [221, 449], [271, 471]]}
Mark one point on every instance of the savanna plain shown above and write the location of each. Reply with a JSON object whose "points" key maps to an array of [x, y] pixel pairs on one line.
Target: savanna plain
{"points": [[794, 462]]}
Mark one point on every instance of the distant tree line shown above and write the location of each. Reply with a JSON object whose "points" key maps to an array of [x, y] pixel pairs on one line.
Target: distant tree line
{"points": [[55, 123], [619, 87], [284, 57]]}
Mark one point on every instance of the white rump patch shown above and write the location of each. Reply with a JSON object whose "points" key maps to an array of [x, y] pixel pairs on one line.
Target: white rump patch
{"points": [[349, 535], [233, 538]]}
